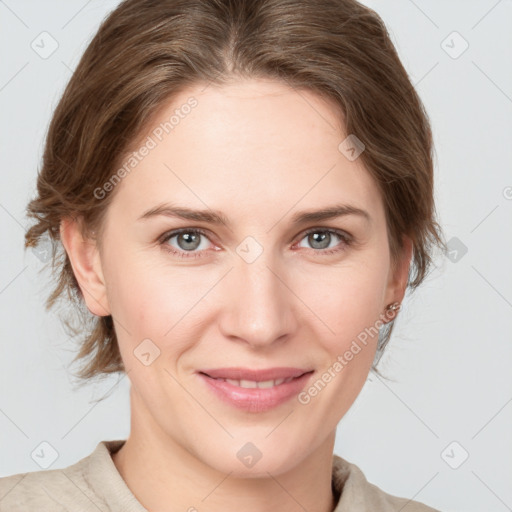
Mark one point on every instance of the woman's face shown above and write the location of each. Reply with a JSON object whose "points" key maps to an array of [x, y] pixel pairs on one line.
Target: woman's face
{"points": [[261, 290]]}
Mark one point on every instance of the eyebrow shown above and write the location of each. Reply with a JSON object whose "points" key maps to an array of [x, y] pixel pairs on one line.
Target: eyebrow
{"points": [[217, 218]]}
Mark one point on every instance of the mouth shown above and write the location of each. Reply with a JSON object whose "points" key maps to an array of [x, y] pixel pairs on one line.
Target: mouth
{"points": [[252, 384], [255, 390]]}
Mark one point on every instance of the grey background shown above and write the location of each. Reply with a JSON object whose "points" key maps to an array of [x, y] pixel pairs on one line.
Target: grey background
{"points": [[451, 353]]}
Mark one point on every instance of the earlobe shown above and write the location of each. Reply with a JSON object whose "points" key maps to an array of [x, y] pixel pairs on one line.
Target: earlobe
{"points": [[399, 279], [85, 260]]}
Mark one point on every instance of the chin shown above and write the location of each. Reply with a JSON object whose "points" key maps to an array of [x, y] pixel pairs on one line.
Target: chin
{"points": [[246, 460]]}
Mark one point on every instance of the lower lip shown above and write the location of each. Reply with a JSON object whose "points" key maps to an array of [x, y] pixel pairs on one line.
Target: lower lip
{"points": [[256, 399]]}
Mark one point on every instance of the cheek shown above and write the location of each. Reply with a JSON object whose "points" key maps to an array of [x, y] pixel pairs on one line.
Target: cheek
{"points": [[347, 299], [350, 304], [153, 299], [136, 295], [150, 299]]}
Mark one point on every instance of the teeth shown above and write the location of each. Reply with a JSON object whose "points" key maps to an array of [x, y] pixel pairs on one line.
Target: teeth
{"points": [[251, 384], [269, 383], [248, 384]]}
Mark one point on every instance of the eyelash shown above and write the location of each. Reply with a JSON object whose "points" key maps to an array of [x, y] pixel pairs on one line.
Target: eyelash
{"points": [[345, 238]]}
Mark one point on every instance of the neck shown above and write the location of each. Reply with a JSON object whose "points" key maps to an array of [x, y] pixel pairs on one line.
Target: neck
{"points": [[165, 476]]}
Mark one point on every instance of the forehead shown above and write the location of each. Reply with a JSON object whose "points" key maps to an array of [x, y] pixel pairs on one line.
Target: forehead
{"points": [[243, 143]]}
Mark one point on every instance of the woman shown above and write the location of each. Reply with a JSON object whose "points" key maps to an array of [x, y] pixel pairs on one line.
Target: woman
{"points": [[243, 192]]}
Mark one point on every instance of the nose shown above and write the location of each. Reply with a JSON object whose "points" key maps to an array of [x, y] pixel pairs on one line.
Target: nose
{"points": [[260, 309]]}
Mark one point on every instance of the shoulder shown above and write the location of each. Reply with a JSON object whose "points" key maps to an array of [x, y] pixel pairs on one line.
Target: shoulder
{"points": [[357, 494], [55, 490]]}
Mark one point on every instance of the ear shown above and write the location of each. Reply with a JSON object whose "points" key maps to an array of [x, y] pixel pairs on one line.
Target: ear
{"points": [[399, 273], [85, 260]]}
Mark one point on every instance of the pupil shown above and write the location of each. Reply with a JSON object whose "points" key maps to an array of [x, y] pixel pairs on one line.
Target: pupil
{"points": [[191, 241], [322, 238]]}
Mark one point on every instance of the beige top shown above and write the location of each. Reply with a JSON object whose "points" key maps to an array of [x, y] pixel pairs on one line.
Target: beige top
{"points": [[93, 484]]}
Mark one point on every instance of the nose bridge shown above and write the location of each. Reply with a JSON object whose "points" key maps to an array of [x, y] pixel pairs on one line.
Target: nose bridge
{"points": [[260, 306]]}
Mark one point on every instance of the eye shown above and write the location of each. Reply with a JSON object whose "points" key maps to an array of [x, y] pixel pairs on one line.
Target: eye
{"points": [[321, 240], [188, 243]]}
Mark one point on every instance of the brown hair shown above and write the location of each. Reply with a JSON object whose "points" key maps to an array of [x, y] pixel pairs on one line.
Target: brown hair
{"points": [[146, 51]]}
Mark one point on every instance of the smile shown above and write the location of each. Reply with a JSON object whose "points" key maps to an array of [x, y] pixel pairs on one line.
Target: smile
{"points": [[255, 396], [248, 384]]}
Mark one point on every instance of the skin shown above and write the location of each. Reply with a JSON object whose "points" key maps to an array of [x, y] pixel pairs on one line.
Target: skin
{"points": [[259, 152]]}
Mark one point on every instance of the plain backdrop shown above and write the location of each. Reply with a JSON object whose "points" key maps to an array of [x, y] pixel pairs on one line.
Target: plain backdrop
{"points": [[440, 431]]}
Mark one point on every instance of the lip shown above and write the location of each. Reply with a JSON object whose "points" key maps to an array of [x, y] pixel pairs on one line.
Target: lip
{"points": [[239, 373], [255, 399]]}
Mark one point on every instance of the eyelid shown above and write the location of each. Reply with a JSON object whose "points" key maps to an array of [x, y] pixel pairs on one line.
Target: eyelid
{"points": [[165, 237], [340, 232], [346, 238]]}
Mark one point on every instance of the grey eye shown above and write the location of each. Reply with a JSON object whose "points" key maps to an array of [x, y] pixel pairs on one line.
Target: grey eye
{"points": [[321, 239], [187, 241]]}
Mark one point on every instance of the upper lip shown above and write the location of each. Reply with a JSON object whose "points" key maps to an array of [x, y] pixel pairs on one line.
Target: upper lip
{"points": [[255, 375]]}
